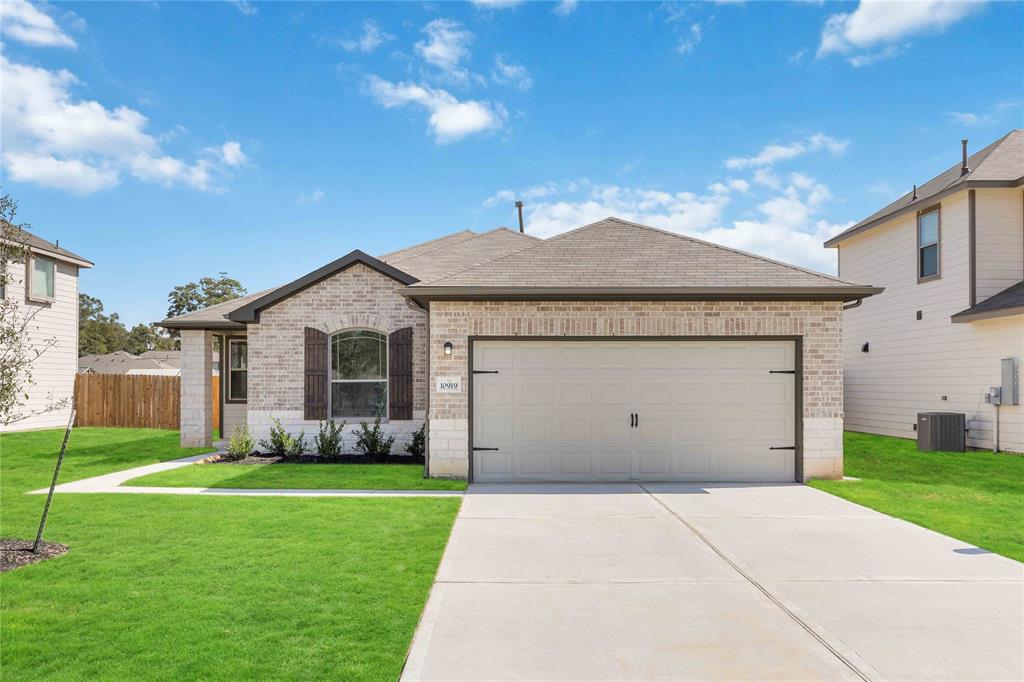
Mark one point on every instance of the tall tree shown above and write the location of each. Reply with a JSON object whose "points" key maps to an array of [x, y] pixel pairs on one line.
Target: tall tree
{"points": [[98, 333], [18, 349], [143, 337], [187, 298]]}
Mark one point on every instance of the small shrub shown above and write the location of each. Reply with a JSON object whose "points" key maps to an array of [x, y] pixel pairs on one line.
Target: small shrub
{"points": [[418, 444], [283, 444], [374, 442], [240, 444], [328, 441]]}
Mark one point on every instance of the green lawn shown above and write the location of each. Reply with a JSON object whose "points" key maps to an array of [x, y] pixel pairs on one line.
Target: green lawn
{"points": [[166, 587], [304, 476], [974, 496]]}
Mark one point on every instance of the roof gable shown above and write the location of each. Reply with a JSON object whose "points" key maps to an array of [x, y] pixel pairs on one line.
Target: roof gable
{"points": [[1000, 164], [250, 311], [614, 253]]}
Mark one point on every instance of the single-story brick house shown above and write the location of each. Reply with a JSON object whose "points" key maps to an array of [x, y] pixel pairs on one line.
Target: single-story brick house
{"points": [[614, 352]]}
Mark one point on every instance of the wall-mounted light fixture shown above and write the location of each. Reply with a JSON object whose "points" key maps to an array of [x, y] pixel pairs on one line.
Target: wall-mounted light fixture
{"points": [[865, 348], [448, 347]]}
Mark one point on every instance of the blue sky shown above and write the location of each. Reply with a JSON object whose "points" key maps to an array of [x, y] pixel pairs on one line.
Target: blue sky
{"points": [[168, 141]]}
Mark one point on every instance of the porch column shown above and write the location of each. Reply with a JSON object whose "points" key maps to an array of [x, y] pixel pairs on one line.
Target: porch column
{"points": [[196, 388]]}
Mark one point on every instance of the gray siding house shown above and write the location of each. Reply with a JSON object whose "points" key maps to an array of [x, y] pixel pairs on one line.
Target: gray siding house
{"points": [[614, 352], [950, 254]]}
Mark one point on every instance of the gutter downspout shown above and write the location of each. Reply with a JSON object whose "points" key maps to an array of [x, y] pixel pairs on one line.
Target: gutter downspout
{"points": [[855, 304]]}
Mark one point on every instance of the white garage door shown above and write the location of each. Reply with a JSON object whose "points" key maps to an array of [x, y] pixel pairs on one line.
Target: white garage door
{"points": [[633, 410]]}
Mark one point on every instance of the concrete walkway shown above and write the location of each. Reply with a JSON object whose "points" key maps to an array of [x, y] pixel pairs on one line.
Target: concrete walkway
{"points": [[114, 483], [720, 582]]}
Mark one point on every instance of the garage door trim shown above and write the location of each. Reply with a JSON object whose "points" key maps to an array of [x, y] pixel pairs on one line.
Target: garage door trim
{"points": [[798, 364]]}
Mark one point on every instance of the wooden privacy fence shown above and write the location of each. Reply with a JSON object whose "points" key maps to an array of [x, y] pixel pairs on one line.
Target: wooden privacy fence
{"points": [[128, 400], [133, 401]]}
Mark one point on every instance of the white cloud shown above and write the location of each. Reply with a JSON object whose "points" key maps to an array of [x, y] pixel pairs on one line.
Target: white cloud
{"points": [[372, 38], [446, 46], [314, 197], [496, 4], [508, 73], [691, 40], [450, 119], [28, 24], [565, 7], [787, 225], [881, 22], [993, 115], [868, 58], [232, 154], [245, 7], [767, 178], [51, 139], [774, 153]]}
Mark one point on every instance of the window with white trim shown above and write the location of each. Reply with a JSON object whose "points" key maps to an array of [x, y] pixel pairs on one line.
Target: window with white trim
{"points": [[42, 273], [928, 244], [238, 370], [359, 374]]}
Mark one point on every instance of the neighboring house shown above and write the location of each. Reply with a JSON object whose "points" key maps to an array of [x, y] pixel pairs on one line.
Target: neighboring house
{"points": [[614, 352], [50, 300], [123, 362], [151, 362], [950, 255]]}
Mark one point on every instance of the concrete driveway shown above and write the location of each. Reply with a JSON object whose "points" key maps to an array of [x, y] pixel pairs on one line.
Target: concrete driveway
{"points": [[710, 582]]}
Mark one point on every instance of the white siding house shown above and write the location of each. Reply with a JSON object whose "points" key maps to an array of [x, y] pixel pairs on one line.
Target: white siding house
{"points": [[934, 342], [45, 290]]}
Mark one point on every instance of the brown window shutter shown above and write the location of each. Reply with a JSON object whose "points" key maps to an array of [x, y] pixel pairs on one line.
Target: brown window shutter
{"points": [[315, 402], [400, 373]]}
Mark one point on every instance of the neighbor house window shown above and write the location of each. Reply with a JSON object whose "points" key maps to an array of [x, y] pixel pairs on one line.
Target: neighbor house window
{"points": [[928, 244], [359, 374], [41, 274], [238, 369]]}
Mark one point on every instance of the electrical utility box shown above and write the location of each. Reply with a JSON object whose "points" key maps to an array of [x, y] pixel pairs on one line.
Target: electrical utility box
{"points": [[1010, 382], [941, 431]]}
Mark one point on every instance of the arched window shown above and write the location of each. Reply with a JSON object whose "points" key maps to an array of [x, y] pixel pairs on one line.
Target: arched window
{"points": [[359, 374]]}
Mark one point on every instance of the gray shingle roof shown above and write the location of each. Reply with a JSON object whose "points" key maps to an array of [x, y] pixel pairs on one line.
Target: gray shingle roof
{"points": [[214, 316], [435, 258], [1000, 163], [450, 258], [1009, 301], [39, 244], [616, 253]]}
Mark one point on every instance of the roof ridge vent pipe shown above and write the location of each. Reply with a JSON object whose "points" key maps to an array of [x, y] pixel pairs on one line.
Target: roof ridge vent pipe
{"points": [[964, 168], [914, 198], [519, 207]]}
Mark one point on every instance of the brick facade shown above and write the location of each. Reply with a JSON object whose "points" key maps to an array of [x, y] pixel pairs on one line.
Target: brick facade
{"points": [[358, 297], [196, 428], [818, 323]]}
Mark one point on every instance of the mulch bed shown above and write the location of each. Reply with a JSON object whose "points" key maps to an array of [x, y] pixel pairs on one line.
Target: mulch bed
{"points": [[259, 458], [18, 553]]}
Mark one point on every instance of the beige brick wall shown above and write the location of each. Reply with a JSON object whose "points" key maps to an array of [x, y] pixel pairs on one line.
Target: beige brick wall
{"points": [[818, 322], [196, 428], [358, 297]]}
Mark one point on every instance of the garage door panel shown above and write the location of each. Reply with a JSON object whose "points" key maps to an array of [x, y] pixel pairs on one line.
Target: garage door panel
{"points": [[612, 355], [536, 356], [615, 393], [574, 394], [576, 356], [495, 355], [495, 393], [535, 393], [562, 411]]}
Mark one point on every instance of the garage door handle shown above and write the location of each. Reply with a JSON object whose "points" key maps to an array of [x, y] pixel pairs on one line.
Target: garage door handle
{"points": [[632, 419], [782, 371], [784, 447], [486, 371], [475, 449]]}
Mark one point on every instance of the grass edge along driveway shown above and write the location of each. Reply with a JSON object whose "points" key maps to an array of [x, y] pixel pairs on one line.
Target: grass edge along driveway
{"points": [[974, 496], [159, 587], [299, 476]]}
